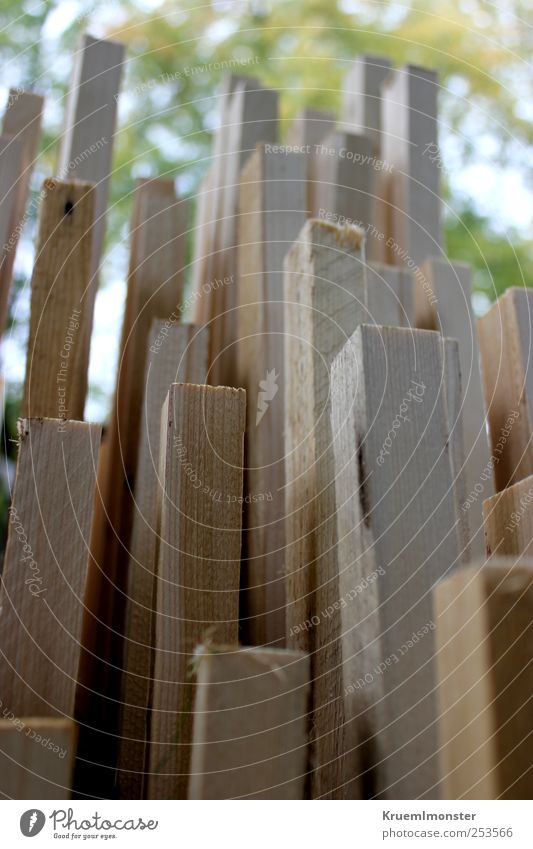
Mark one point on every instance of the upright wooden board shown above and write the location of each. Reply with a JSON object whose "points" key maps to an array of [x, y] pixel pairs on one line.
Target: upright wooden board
{"points": [[155, 290], [390, 295], [61, 311], [508, 520], [10, 166], [309, 129], [409, 145], [249, 115], [22, 121], [325, 295], [361, 97], [89, 129], [484, 662], [505, 343], [250, 724], [443, 293], [36, 758], [272, 213], [345, 174], [397, 535], [197, 588], [45, 567], [177, 353]]}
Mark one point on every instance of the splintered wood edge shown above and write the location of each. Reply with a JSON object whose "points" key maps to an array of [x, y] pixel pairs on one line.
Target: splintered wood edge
{"points": [[52, 183]]}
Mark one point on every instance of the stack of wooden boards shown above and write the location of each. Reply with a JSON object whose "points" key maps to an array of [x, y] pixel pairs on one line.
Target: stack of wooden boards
{"points": [[282, 571]]}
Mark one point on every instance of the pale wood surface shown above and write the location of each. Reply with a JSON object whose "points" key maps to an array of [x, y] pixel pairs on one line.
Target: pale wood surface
{"points": [[453, 399], [89, 128], [272, 213], [36, 758], [325, 294], [10, 166], [505, 344], [409, 145], [397, 533], [155, 290], [443, 293], [508, 520], [197, 587], [175, 354], [249, 115], [61, 310], [485, 679], [309, 128], [22, 121], [250, 724], [390, 295], [43, 596], [361, 96]]}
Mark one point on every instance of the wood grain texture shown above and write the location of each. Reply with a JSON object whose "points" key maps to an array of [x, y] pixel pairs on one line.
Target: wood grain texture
{"points": [[508, 520], [10, 166], [21, 121], [309, 128], [197, 588], [89, 128], [484, 657], [397, 535], [46, 567], [250, 724], [390, 295], [361, 96], [36, 758], [249, 115], [409, 145], [343, 184], [57, 364], [505, 344], [155, 291], [272, 213], [443, 301], [175, 354], [325, 295]]}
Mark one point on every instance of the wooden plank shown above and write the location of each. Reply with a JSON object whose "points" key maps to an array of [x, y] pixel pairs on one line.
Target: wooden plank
{"points": [[361, 97], [325, 294], [57, 364], [443, 301], [250, 724], [177, 353], [508, 520], [36, 758], [249, 115], [198, 568], [155, 290], [309, 128], [409, 145], [10, 165], [397, 532], [505, 342], [390, 295], [453, 400], [272, 213], [345, 173], [46, 567], [484, 662], [22, 121], [89, 129]]}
